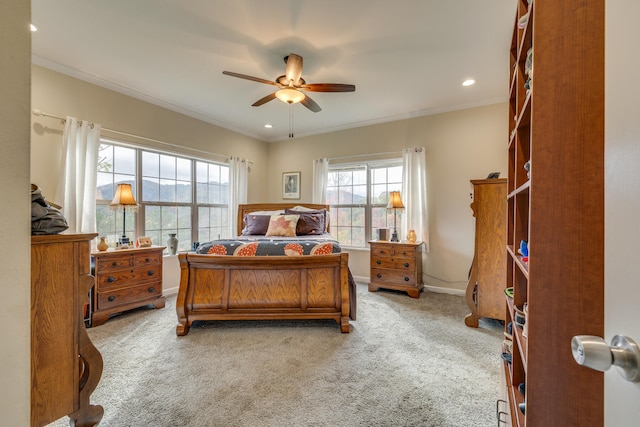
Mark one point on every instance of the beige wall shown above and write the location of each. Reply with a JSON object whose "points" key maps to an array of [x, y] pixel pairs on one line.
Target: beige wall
{"points": [[61, 95], [460, 146], [15, 252]]}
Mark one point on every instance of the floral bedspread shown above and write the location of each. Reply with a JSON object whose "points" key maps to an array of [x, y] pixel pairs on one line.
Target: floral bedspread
{"points": [[272, 246]]}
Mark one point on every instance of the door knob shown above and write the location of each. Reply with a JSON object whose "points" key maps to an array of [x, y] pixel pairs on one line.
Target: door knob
{"points": [[593, 352]]}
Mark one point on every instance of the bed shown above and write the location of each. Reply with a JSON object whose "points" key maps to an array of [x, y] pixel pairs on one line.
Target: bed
{"points": [[242, 280]]}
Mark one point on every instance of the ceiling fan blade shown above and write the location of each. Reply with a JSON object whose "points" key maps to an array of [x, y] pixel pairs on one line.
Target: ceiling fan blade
{"points": [[244, 76], [293, 70], [264, 100], [310, 104], [328, 87]]}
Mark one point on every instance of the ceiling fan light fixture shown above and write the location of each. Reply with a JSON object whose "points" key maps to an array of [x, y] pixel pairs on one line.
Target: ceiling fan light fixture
{"points": [[290, 96]]}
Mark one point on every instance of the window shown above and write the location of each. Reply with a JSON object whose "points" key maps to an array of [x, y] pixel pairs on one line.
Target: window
{"points": [[358, 196], [176, 194]]}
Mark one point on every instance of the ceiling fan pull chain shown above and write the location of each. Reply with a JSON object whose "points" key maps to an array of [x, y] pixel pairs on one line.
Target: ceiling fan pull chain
{"points": [[290, 120]]}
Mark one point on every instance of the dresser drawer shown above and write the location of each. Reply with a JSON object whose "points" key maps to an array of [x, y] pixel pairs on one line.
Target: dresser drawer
{"points": [[392, 276], [114, 263], [119, 278], [147, 259], [395, 263], [397, 251], [121, 296]]}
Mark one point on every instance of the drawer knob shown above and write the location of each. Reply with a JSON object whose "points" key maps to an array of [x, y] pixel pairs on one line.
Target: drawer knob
{"points": [[152, 289], [115, 263], [378, 275], [406, 279], [111, 279], [111, 298], [406, 264], [378, 262], [150, 273], [148, 260]]}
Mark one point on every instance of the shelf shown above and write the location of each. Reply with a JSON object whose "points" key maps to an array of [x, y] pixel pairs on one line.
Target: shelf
{"points": [[560, 129], [523, 188]]}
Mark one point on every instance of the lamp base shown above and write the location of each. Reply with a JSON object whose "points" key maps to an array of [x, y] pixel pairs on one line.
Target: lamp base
{"points": [[123, 241], [394, 236]]}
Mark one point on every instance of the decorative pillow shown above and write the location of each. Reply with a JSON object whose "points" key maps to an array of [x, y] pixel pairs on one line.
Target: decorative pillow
{"points": [[282, 225], [255, 224], [299, 210], [310, 223]]}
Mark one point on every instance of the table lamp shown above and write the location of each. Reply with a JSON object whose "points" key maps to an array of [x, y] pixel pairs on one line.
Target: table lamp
{"points": [[395, 203], [124, 200]]}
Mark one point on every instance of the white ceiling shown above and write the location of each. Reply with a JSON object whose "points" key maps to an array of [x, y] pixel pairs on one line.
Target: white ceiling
{"points": [[407, 58]]}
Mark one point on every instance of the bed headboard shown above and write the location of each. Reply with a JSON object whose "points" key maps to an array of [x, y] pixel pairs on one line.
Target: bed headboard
{"points": [[253, 207]]}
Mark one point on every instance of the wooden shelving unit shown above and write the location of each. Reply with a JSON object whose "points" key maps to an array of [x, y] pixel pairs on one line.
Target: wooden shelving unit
{"points": [[556, 123]]}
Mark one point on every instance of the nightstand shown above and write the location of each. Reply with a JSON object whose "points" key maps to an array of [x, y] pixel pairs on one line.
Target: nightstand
{"points": [[126, 279], [396, 265]]}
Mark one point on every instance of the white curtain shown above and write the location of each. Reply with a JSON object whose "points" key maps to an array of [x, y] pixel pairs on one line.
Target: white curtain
{"points": [[414, 193], [320, 177], [76, 190], [238, 185]]}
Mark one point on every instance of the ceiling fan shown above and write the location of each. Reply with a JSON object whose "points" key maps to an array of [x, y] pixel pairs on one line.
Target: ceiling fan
{"points": [[291, 85]]}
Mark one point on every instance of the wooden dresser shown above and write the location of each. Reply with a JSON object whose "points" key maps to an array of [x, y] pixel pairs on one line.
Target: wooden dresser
{"points": [[396, 266], [65, 365], [126, 279], [487, 280]]}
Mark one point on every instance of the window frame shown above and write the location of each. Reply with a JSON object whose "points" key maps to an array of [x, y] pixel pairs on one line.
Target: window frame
{"points": [[139, 220], [369, 205]]}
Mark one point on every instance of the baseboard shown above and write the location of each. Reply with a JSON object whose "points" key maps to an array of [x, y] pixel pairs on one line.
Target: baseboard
{"points": [[432, 285], [170, 291]]}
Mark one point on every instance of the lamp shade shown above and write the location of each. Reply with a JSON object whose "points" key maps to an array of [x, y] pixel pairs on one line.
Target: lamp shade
{"points": [[395, 202], [289, 95], [123, 196]]}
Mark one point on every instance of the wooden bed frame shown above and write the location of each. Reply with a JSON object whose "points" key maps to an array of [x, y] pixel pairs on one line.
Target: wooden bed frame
{"points": [[263, 287]]}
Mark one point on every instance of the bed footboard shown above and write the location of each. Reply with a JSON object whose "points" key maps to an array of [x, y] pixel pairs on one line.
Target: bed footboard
{"points": [[263, 288]]}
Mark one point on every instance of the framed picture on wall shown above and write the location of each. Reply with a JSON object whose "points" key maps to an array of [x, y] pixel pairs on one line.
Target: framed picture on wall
{"points": [[291, 185]]}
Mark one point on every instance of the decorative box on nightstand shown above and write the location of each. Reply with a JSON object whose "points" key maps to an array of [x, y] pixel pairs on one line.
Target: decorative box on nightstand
{"points": [[396, 266], [126, 279]]}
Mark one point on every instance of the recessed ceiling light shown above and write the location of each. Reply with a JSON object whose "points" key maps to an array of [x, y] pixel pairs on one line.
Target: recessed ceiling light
{"points": [[33, 27], [268, 126], [468, 82]]}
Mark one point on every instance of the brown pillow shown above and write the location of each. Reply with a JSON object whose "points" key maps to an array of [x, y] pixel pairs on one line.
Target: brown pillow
{"points": [[282, 225], [321, 212], [310, 223], [255, 224]]}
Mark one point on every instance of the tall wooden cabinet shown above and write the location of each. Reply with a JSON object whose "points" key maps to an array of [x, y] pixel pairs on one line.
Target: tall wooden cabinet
{"points": [[556, 204], [65, 365], [485, 289]]}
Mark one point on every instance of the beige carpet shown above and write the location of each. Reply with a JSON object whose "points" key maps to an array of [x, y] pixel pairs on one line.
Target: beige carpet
{"points": [[406, 362]]}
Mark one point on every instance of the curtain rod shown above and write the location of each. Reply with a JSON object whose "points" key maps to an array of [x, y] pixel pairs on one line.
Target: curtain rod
{"points": [[37, 112], [365, 155]]}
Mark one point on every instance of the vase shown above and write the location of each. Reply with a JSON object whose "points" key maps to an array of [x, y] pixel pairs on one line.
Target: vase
{"points": [[102, 244], [411, 236], [172, 244]]}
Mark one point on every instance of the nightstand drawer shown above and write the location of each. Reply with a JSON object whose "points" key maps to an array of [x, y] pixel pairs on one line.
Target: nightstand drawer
{"points": [[114, 298], [114, 263], [404, 264], [398, 251], [147, 259], [392, 276], [115, 279]]}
